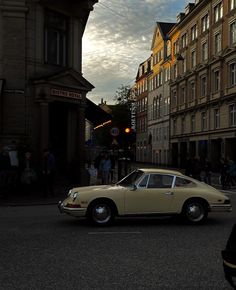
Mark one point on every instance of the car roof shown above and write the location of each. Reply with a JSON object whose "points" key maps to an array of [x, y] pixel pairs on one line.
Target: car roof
{"points": [[161, 171]]}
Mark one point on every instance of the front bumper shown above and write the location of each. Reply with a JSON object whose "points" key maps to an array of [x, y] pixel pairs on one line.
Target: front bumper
{"points": [[77, 212], [220, 207]]}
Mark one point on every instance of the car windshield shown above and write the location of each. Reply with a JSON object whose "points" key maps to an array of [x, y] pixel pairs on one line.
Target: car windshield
{"points": [[131, 179]]}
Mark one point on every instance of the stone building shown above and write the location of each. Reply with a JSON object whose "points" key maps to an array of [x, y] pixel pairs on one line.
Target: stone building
{"points": [[42, 90], [159, 95], [203, 93], [141, 111]]}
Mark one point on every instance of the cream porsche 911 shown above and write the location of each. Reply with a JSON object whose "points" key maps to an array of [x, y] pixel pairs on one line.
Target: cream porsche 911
{"points": [[146, 192]]}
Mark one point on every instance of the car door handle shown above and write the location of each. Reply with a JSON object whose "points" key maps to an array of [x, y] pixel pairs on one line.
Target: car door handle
{"points": [[169, 193]]}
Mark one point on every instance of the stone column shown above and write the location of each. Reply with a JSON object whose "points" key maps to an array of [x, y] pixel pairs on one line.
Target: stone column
{"points": [[81, 145], [44, 123]]}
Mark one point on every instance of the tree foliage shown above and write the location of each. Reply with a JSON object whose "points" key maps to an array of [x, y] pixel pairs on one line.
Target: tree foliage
{"points": [[123, 94]]}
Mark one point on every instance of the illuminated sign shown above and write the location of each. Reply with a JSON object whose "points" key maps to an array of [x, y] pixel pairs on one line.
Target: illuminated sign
{"points": [[66, 94]]}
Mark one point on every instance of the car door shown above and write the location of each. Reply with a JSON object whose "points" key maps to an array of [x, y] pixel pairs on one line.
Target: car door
{"points": [[153, 194]]}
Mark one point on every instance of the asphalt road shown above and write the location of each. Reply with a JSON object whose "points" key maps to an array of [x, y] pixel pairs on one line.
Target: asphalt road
{"points": [[42, 249]]}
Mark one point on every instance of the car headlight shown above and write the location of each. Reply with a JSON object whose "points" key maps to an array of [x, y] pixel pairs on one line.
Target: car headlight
{"points": [[74, 195], [70, 191]]}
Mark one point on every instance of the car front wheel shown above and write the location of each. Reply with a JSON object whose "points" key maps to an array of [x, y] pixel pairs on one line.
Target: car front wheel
{"points": [[195, 212], [101, 213]]}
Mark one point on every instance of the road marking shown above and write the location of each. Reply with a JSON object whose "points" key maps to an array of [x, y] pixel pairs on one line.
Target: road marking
{"points": [[114, 233]]}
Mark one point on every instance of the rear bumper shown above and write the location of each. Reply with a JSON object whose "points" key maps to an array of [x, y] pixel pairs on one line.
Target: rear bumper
{"points": [[221, 208], [77, 212]]}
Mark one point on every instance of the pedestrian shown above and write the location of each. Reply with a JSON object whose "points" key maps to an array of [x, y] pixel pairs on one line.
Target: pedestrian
{"points": [[93, 173], [196, 169], [223, 172], [231, 176], [5, 166], [105, 167], [112, 171], [28, 175], [207, 171], [48, 172], [188, 169]]}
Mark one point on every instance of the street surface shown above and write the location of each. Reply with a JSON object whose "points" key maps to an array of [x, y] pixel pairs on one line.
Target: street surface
{"points": [[42, 249]]}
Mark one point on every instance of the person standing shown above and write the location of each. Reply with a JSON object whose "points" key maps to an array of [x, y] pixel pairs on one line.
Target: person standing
{"points": [[48, 172], [105, 167], [93, 173], [207, 170]]}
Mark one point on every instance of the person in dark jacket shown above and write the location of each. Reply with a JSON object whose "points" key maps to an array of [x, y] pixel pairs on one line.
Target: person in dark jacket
{"points": [[207, 172], [48, 172]]}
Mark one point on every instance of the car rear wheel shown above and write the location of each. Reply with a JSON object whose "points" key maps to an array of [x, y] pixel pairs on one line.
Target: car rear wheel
{"points": [[101, 213], [195, 212]]}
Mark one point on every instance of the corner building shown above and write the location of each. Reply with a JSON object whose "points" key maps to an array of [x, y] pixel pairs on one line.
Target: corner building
{"points": [[203, 90], [42, 89]]}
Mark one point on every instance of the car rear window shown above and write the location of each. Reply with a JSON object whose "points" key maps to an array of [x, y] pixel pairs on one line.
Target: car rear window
{"points": [[182, 182]]}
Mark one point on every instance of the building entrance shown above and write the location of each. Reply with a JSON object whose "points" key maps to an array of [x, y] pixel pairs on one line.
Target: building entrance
{"points": [[58, 119]]}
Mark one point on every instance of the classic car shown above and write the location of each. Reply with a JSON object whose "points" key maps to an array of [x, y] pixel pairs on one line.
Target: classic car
{"points": [[146, 192]]}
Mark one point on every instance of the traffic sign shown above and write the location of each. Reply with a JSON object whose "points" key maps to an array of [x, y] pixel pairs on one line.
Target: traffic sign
{"points": [[115, 131]]}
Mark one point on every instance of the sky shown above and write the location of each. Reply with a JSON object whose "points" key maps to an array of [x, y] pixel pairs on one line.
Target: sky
{"points": [[117, 38]]}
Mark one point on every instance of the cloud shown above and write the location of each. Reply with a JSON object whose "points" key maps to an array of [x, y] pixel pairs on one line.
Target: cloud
{"points": [[118, 38]]}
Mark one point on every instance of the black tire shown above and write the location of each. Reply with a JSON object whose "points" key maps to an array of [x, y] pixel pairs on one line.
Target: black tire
{"points": [[101, 213], [195, 212]]}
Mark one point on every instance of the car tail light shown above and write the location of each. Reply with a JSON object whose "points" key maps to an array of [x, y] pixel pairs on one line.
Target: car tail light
{"points": [[227, 201]]}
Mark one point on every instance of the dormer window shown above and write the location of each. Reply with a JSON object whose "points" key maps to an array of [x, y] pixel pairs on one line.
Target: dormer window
{"points": [[56, 32]]}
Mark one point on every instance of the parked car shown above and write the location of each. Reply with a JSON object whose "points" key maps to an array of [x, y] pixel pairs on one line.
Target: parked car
{"points": [[146, 192]]}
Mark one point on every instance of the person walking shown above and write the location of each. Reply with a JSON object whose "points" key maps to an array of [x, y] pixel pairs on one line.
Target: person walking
{"points": [[223, 173], [48, 172], [105, 167], [207, 172]]}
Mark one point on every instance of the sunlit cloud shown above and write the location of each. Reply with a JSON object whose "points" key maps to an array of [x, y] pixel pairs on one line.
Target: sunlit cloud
{"points": [[118, 38]]}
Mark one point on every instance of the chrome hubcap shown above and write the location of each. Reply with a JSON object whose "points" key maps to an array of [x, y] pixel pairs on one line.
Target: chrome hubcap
{"points": [[195, 212], [101, 213]]}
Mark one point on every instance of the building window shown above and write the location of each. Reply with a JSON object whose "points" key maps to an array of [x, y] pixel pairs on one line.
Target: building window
{"points": [[232, 30], [175, 71], [194, 32], [192, 90], [174, 99], [167, 74], [217, 42], [216, 80], [193, 123], [205, 23], [232, 4], [203, 86], [182, 125], [193, 58], [218, 11], [232, 74], [216, 118], [176, 47], [204, 51], [184, 40], [174, 126], [203, 121], [56, 31], [232, 115], [182, 95]]}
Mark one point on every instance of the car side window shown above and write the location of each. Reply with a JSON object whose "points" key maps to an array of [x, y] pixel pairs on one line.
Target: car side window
{"points": [[143, 182], [160, 181], [182, 182]]}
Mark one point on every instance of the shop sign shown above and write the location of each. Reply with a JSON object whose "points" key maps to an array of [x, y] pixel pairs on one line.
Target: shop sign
{"points": [[66, 94]]}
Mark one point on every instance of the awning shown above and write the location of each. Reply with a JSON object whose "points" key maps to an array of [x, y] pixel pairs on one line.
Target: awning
{"points": [[95, 114]]}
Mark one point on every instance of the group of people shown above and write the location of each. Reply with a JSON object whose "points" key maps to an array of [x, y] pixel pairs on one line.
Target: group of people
{"points": [[227, 173], [18, 170], [203, 171], [199, 170], [101, 170]]}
